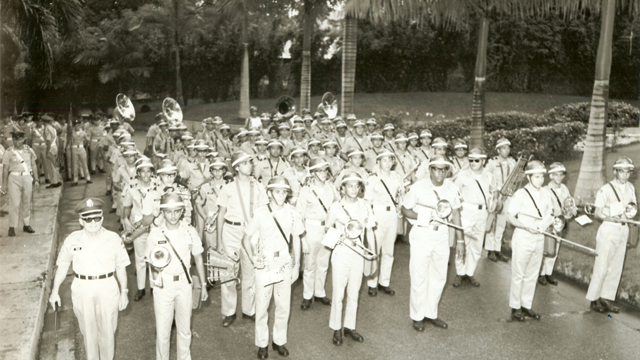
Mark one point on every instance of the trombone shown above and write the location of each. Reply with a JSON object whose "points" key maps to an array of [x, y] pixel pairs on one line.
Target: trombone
{"points": [[558, 225], [353, 232], [443, 209]]}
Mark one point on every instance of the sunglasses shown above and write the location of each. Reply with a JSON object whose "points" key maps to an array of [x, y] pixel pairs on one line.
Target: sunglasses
{"points": [[202, 151], [475, 160], [437, 169], [92, 219]]}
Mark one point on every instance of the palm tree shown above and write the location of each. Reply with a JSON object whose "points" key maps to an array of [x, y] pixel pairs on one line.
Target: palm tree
{"points": [[305, 78], [349, 54]]}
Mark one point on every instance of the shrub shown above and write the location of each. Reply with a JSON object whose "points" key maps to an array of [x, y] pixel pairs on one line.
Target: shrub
{"points": [[620, 114]]}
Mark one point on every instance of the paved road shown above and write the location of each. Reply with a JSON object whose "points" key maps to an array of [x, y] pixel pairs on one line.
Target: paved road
{"points": [[479, 325]]}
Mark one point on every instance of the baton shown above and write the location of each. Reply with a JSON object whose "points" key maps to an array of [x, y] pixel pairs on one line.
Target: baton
{"points": [[55, 317]]}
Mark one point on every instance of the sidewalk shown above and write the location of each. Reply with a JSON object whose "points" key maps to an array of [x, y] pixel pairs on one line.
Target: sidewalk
{"points": [[26, 260]]}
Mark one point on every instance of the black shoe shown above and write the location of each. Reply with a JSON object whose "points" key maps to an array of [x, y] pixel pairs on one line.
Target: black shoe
{"points": [[437, 322], [139, 295], [250, 317], [492, 256], [542, 280], [101, 171], [596, 306], [354, 334], [75, 183], [28, 229], [372, 291], [387, 290], [337, 337], [473, 281], [516, 314], [151, 291], [52, 186], [46, 181], [12, 231], [306, 304], [281, 349], [501, 257], [551, 280], [112, 211], [324, 300], [92, 172], [418, 325], [607, 306], [41, 175], [263, 353], [89, 182], [530, 313], [108, 193], [457, 281], [228, 320]]}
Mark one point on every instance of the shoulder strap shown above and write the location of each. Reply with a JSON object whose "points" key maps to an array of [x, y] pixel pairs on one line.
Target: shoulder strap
{"points": [[284, 236], [388, 192], [557, 198], [244, 212], [320, 200], [534, 202], [24, 166], [178, 256], [614, 191], [482, 191]]}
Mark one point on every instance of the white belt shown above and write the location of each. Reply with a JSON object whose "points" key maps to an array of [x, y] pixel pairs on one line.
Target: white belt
{"points": [[39, 144], [19, 173], [76, 146], [315, 222], [473, 206], [383, 207], [170, 277], [95, 140]]}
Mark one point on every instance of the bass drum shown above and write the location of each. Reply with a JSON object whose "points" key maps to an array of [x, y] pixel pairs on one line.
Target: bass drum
{"points": [[221, 268]]}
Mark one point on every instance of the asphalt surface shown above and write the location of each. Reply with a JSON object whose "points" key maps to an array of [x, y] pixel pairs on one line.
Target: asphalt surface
{"points": [[478, 318]]}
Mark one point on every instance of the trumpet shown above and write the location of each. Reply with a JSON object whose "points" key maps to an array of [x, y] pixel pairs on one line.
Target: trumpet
{"points": [[557, 226]]}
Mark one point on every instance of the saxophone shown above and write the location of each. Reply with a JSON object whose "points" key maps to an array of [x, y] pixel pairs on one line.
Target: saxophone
{"points": [[209, 225], [138, 230]]}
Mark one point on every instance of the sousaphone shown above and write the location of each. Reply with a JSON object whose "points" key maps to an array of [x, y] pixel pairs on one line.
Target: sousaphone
{"points": [[124, 108], [286, 106], [329, 105], [172, 111]]}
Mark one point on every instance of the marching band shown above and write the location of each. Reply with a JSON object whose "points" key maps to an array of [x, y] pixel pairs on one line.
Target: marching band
{"points": [[290, 195]]}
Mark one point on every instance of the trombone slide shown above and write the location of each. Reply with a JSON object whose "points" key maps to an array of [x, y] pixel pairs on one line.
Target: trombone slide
{"points": [[590, 250]]}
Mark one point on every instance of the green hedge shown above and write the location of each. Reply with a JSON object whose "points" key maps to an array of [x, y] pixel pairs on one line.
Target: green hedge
{"points": [[620, 114]]}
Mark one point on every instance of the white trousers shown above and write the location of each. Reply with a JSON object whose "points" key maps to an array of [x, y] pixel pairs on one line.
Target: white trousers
{"points": [[493, 241], [525, 266], [549, 262], [19, 188], [95, 303], [316, 262], [173, 298], [611, 244], [80, 162], [385, 240], [232, 240], [346, 274], [281, 293], [474, 223], [139, 246], [429, 258]]}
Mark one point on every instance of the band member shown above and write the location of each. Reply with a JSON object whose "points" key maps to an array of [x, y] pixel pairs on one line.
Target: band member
{"points": [[196, 171], [297, 140], [107, 144], [18, 179], [167, 172], [39, 145], [424, 152], [388, 132], [96, 131], [413, 146], [275, 253], [430, 242], [51, 161], [351, 120], [124, 174], [224, 145], [237, 203], [359, 140], [376, 148], [138, 202], [253, 140], [314, 148], [477, 189], [325, 133], [439, 147], [384, 192], [175, 296], [153, 131], [611, 239], [313, 203], [530, 211], [560, 192], [274, 165], [405, 163], [372, 125], [162, 144], [253, 121], [297, 174], [347, 265], [206, 202], [208, 134], [355, 164], [501, 167], [97, 254], [459, 160], [340, 134], [336, 164]]}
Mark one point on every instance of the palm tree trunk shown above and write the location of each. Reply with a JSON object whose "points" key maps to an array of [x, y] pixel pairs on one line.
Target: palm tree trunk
{"points": [[349, 52], [244, 75], [305, 78], [592, 171], [477, 109], [179, 96]]}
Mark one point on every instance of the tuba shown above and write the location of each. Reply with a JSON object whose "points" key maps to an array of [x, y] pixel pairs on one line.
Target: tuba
{"points": [[158, 259], [172, 111], [329, 105], [286, 106], [124, 108], [515, 178]]}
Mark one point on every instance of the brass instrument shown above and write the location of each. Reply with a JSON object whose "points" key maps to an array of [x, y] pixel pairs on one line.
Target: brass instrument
{"points": [[515, 178], [210, 223], [158, 259], [124, 108], [351, 238], [172, 111], [129, 236], [329, 105], [443, 210], [286, 106], [557, 226], [569, 208]]}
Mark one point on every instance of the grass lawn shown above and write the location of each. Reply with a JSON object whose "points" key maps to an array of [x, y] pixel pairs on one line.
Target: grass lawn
{"points": [[451, 105]]}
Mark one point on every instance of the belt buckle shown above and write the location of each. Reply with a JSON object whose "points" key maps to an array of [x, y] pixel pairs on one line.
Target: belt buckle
{"points": [[176, 277], [276, 254], [322, 222], [388, 208], [435, 227], [479, 207]]}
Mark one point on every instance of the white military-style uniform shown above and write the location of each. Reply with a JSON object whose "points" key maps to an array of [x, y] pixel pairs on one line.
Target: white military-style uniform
{"points": [[429, 254], [354, 143], [527, 247], [123, 175], [611, 242], [313, 204], [501, 169], [278, 263], [51, 161], [39, 145], [78, 138], [347, 265], [459, 164], [385, 209], [237, 216], [558, 196], [296, 179], [176, 294], [21, 164], [476, 192], [268, 168], [208, 198], [96, 132], [95, 300], [370, 157]]}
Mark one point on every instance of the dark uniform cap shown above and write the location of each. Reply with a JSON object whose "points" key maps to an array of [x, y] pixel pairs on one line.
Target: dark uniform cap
{"points": [[17, 135], [46, 117], [90, 206]]}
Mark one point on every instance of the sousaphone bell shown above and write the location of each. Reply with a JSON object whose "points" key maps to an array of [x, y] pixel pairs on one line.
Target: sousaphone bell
{"points": [[124, 108], [329, 105], [158, 259], [286, 106], [172, 111]]}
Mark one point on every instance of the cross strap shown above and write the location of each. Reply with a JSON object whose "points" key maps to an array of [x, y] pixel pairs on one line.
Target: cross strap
{"points": [[614, 191], [178, 256], [284, 236], [534, 202], [320, 200], [558, 199], [244, 212], [388, 192], [483, 195]]}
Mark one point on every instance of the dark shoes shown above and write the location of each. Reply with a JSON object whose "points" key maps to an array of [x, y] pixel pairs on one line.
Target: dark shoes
{"points": [[337, 337], [501, 257], [457, 281], [228, 320], [108, 193], [354, 335], [607, 306], [530, 313], [551, 280], [250, 317], [89, 182], [12, 231], [473, 281], [282, 351], [596, 306], [437, 322], [75, 183], [101, 171], [387, 290], [517, 315], [139, 295], [112, 211], [263, 353], [418, 325], [306, 304], [53, 186], [28, 229], [372, 291], [492, 256], [324, 300], [542, 280]]}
